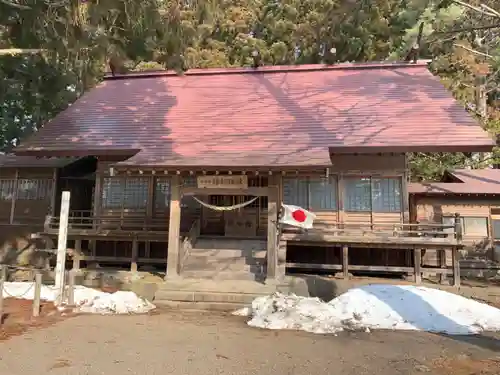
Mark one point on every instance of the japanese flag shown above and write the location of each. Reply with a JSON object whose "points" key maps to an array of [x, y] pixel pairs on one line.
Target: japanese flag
{"points": [[297, 216]]}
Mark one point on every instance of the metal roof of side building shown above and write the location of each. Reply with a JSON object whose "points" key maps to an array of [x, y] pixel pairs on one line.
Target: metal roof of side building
{"points": [[279, 116], [464, 181]]}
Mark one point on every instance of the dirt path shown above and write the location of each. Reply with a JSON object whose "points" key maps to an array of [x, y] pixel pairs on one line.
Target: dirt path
{"points": [[197, 344]]}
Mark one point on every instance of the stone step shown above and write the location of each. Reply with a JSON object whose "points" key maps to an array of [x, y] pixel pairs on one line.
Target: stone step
{"points": [[230, 244], [222, 286], [200, 306], [201, 261], [223, 275], [227, 253], [222, 267], [203, 296]]}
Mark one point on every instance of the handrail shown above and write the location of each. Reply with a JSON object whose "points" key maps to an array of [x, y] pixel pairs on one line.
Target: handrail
{"points": [[109, 223], [391, 229]]}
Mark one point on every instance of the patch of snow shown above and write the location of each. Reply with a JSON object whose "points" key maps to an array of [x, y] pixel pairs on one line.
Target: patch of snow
{"points": [[392, 307], [87, 300]]}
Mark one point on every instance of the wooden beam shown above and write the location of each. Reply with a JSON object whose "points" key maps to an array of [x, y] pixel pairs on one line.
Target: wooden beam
{"points": [[442, 264], [340, 198], [53, 197], [135, 255], [382, 240], [456, 267], [405, 196], [151, 197], [256, 191], [77, 254], [345, 261], [417, 260], [338, 267], [173, 270], [14, 197]]}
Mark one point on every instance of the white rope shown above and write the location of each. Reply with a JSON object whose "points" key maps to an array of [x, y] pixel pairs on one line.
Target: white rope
{"points": [[225, 208]]}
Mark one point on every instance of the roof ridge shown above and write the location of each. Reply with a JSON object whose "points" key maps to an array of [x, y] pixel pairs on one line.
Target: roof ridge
{"points": [[271, 69]]}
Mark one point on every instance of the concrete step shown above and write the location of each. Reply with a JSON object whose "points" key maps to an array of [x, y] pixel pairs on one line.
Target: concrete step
{"points": [[223, 275], [200, 306], [230, 244], [227, 253], [211, 262], [221, 286], [204, 296]]}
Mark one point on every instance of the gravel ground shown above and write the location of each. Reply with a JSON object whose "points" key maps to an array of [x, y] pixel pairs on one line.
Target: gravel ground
{"points": [[197, 344]]}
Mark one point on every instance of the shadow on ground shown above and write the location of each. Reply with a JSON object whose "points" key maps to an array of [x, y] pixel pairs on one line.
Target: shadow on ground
{"points": [[327, 289]]}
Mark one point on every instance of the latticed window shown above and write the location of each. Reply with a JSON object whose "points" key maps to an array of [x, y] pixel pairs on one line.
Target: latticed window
{"points": [[112, 192], [189, 181], [128, 193], [162, 193], [136, 192], [386, 194], [7, 189], [357, 195], [372, 194], [34, 189], [318, 193]]}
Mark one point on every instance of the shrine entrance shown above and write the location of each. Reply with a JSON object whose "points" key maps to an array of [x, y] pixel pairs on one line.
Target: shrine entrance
{"points": [[232, 205], [234, 216]]}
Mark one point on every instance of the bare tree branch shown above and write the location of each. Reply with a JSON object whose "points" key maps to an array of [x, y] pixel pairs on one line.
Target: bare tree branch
{"points": [[18, 51], [15, 5], [473, 50], [490, 10], [479, 10], [472, 28]]}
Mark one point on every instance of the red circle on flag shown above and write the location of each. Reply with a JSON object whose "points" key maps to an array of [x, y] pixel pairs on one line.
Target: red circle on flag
{"points": [[299, 216]]}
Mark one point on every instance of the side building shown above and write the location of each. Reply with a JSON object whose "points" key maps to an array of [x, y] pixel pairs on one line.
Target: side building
{"points": [[475, 195]]}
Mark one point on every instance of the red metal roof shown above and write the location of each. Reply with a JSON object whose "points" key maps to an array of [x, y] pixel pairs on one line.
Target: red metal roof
{"points": [[281, 116], [469, 181]]}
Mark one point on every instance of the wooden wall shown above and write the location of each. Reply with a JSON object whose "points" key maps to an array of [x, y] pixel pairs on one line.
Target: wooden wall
{"points": [[156, 214], [28, 210], [433, 208], [343, 166]]}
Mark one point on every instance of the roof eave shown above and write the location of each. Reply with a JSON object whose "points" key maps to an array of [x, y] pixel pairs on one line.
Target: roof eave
{"points": [[124, 166], [449, 193], [46, 152], [367, 149]]}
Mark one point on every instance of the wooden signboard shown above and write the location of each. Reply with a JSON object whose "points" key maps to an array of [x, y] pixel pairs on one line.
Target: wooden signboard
{"points": [[223, 182]]}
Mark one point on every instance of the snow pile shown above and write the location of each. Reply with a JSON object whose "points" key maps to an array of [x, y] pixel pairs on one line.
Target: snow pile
{"points": [[87, 300], [393, 307]]}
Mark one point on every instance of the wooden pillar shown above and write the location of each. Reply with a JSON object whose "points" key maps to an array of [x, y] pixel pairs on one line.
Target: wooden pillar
{"points": [[150, 203], [404, 192], [455, 254], [417, 260], [53, 197], [173, 261], [456, 267], [443, 278], [77, 254], [345, 261], [135, 254], [340, 198], [14, 197], [273, 272]]}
